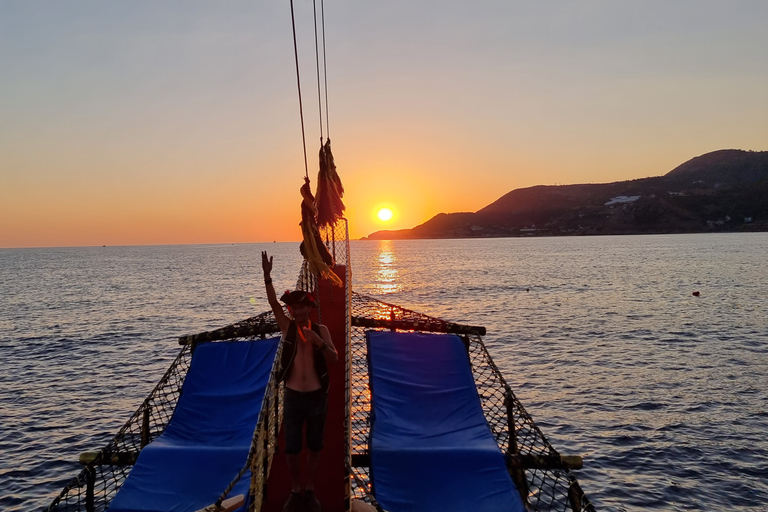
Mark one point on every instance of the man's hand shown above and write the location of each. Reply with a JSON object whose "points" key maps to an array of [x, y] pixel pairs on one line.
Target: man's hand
{"points": [[312, 337], [266, 264], [277, 309]]}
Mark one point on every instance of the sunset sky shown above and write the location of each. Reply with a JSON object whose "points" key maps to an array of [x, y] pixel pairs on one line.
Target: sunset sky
{"points": [[145, 122]]}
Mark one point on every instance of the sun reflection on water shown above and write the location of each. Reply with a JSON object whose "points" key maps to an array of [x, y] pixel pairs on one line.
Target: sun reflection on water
{"points": [[387, 274]]}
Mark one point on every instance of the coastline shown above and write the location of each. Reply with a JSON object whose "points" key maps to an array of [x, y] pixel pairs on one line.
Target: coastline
{"points": [[544, 232]]}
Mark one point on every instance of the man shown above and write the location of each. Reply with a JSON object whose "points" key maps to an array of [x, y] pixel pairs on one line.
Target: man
{"points": [[307, 351]]}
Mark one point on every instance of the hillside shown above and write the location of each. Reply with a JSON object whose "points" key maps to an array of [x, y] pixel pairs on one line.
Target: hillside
{"points": [[725, 190]]}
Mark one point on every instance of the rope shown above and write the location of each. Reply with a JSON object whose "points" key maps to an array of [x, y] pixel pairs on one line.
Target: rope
{"points": [[325, 72], [240, 474], [298, 83], [317, 67]]}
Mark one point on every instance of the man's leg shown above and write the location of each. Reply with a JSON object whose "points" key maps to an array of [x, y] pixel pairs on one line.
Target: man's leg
{"points": [[295, 501], [292, 423], [318, 409], [294, 468], [315, 431], [313, 459]]}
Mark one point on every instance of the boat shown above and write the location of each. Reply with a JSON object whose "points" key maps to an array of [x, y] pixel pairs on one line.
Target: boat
{"points": [[419, 416], [544, 479]]}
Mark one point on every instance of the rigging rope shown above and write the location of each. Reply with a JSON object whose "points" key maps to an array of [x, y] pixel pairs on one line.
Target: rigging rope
{"points": [[325, 71], [298, 83], [320, 89], [317, 67]]}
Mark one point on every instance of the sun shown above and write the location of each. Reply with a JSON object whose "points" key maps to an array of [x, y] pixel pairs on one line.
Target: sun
{"points": [[384, 214]]}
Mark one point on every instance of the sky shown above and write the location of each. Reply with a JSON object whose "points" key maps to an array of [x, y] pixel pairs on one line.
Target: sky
{"points": [[175, 122]]}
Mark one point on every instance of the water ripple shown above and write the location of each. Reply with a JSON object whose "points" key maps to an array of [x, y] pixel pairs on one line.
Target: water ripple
{"points": [[662, 392]]}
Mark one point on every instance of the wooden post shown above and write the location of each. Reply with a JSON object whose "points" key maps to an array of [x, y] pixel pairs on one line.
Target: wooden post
{"points": [[115, 459], [145, 427], [277, 412], [574, 496], [227, 505], [89, 489], [517, 473], [465, 341], [264, 457], [416, 325], [333, 475]]}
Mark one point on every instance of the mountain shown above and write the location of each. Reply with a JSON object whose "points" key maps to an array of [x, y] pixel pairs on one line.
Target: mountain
{"points": [[724, 190]]}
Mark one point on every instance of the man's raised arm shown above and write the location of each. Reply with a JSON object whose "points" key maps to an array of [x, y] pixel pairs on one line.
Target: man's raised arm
{"points": [[277, 309]]}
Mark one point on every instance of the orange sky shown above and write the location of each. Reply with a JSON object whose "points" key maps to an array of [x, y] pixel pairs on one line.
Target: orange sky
{"points": [[148, 124]]}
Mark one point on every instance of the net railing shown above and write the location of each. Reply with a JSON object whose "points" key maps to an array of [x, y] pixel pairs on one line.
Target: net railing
{"points": [[527, 449], [531, 458], [265, 438], [95, 486], [105, 470]]}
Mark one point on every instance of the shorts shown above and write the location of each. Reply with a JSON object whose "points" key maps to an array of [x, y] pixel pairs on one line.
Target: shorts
{"points": [[308, 407]]}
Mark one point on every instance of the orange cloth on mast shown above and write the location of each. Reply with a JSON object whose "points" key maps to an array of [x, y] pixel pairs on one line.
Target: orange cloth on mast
{"points": [[312, 248], [330, 207]]}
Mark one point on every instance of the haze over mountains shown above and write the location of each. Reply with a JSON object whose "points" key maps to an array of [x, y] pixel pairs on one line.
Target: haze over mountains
{"points": [[724, 190]]}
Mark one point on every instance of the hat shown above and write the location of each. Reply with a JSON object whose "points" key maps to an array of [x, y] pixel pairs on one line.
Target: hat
{"points": [[298, 297]]}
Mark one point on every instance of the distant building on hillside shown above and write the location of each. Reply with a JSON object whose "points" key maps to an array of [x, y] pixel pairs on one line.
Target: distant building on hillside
{"points": [[622, 199]]}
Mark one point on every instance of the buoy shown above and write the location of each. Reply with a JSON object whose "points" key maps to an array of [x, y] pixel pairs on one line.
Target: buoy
{"points": [[695, 294]]}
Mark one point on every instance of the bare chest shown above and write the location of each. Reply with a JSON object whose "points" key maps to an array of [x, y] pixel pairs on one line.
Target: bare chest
{"points": [[302, 376]]}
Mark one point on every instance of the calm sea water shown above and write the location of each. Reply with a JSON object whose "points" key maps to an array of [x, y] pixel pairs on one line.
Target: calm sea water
{"points": [[663, 393]]}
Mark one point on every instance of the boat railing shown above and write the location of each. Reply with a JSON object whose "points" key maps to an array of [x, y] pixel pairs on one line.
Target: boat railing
{"points": [[265, 436], [105, 470], [543, 477], [540, 473]]}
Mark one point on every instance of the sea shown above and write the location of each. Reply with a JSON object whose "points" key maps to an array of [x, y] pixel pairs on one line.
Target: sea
{"points": [[646, 355]]}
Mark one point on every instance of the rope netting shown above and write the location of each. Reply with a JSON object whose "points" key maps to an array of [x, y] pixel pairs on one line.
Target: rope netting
{"points": [[335, 238], [542, 489], [99, 481], [105, 470], [512, 427], [265, 437]]}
